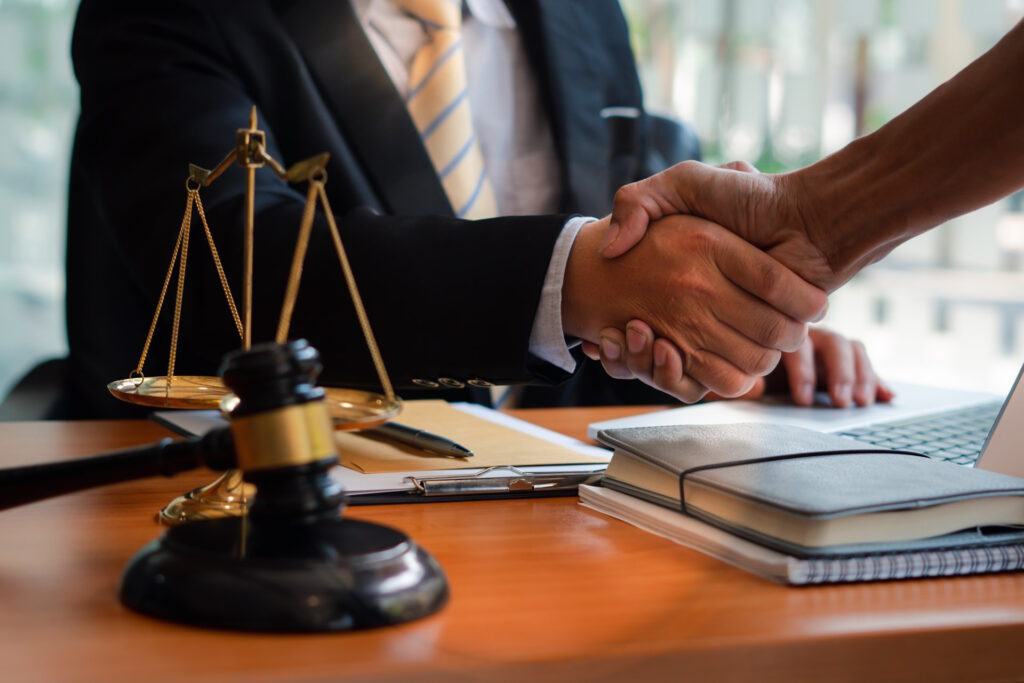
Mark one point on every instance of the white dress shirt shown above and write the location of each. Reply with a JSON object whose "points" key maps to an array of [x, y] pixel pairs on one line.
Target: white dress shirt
{"points": [[510, 124]]}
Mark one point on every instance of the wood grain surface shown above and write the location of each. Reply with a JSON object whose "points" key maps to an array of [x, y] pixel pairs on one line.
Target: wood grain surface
{"points": [[542, 590]]}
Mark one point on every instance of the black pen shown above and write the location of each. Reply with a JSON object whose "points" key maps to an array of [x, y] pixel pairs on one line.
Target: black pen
{"points": [[420, 439]]}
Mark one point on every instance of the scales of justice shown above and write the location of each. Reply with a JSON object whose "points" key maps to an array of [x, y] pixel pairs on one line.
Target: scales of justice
{"points": [[265, 548], [350, 409]]}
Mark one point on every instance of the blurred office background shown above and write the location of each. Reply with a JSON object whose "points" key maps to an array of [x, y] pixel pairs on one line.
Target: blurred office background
{"points": [[776, 82], [38, 106]]}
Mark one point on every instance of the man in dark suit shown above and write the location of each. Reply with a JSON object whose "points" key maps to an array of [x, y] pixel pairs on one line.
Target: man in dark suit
{"points": [[452, 303]]}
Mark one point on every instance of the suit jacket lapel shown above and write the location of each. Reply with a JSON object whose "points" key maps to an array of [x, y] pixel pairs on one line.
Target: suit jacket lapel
{"points": [[368, 109]]}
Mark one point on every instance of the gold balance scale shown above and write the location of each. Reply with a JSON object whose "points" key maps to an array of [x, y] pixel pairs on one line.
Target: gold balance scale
{"points": [[350, 409], [266, 547]]}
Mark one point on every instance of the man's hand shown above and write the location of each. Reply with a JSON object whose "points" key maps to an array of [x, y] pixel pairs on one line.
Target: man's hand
{"points": [[728, 307], [826, 361], [766, 210]]}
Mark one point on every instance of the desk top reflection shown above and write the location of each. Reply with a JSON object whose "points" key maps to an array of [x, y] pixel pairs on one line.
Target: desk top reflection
{"points": [[541, 589]]}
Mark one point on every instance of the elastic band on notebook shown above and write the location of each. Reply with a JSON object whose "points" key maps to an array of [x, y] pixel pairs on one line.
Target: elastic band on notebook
{"points": [[787, 456]]}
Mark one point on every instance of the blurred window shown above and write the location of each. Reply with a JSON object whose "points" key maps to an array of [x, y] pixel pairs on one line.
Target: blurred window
{"points": [[38, 106]]}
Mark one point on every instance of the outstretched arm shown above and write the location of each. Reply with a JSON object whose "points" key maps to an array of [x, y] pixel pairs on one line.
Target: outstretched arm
{"points": [[959, 148]]}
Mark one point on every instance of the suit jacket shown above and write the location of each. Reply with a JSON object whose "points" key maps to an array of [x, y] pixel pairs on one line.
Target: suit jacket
{"points": [[165, 84]]}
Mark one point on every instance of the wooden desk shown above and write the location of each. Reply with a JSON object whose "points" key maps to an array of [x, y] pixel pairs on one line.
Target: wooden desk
{"points": [[541, 591]]}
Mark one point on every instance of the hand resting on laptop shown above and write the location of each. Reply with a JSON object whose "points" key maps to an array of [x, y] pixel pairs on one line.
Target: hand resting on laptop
{"points": [[826, 361]]}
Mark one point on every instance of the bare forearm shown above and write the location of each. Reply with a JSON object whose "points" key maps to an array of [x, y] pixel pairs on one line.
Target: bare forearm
{"points": [[959, 148]]}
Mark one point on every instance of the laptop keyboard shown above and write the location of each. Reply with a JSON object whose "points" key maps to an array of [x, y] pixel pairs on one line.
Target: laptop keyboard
{"points": [[957, 436]]}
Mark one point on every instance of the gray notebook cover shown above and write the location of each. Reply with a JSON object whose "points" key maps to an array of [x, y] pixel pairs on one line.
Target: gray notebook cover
{"points": [[846, 479]]}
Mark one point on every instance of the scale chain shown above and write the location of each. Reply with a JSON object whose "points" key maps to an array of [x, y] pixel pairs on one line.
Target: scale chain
{"points": [[193, 199], [220, 268], [180, 293], [167, 281]]}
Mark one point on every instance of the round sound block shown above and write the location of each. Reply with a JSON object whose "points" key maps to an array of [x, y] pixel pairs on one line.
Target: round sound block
{"points": [[332, 575]]}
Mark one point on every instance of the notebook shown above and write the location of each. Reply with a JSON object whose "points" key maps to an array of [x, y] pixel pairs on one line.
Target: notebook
{"points": [[810, 494], [992, 555]]}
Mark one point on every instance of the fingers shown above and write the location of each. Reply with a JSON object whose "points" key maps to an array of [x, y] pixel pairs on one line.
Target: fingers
{"points": [[657, 363], [668, 374], [613, 357], [849, 375], [719, 374], [770, 281], [640, 350], [624, 356], [800, 373], [757, 321], [839, 366], [884, 393], [868, 387], [717, 355], [864, 382], [639, 203]]}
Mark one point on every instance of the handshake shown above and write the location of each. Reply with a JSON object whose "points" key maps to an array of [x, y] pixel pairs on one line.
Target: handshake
{"points": [[704, 278]]}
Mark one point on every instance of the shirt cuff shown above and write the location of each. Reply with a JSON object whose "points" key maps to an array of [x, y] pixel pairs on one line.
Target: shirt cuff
{"points": [[547, 339]]}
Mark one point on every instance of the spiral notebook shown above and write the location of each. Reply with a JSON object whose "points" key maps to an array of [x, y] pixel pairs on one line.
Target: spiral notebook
{"points": [[993, 556]]}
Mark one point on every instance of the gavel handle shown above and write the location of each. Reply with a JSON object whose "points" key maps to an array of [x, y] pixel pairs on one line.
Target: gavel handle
{"points": [[21, 485]]}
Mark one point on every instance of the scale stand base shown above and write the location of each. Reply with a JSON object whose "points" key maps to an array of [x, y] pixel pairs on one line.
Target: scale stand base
{"points": [[330, 575]]}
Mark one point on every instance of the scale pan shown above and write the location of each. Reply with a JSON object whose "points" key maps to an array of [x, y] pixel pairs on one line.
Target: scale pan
{"points": [[350, 409], [186, 391]]}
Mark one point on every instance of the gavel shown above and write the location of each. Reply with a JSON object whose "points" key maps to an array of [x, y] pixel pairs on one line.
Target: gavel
{"points": [[293, 564]]}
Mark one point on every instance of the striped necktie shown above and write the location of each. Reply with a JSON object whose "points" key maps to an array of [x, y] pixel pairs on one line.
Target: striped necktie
{"points": [[438, 103]]}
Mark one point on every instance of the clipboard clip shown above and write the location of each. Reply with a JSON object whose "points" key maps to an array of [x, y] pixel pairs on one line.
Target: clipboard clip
{"points": [[519, 482]]}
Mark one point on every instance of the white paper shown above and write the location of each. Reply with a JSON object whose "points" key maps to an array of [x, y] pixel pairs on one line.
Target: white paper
{"points": [[198, 422]]}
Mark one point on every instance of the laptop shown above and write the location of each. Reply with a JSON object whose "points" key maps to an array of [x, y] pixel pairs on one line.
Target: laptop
{"points": [[964, 427]]}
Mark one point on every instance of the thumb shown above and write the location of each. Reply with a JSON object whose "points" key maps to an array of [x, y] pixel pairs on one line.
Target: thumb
{"points": [[638, 204], [631, 214]]}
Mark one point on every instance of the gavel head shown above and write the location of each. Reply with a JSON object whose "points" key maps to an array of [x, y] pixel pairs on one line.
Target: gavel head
{"points": [[284, 440]]}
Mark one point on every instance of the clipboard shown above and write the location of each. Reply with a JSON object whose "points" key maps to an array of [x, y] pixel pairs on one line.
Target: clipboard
{"points": [[505, 482], [526, 468]]}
